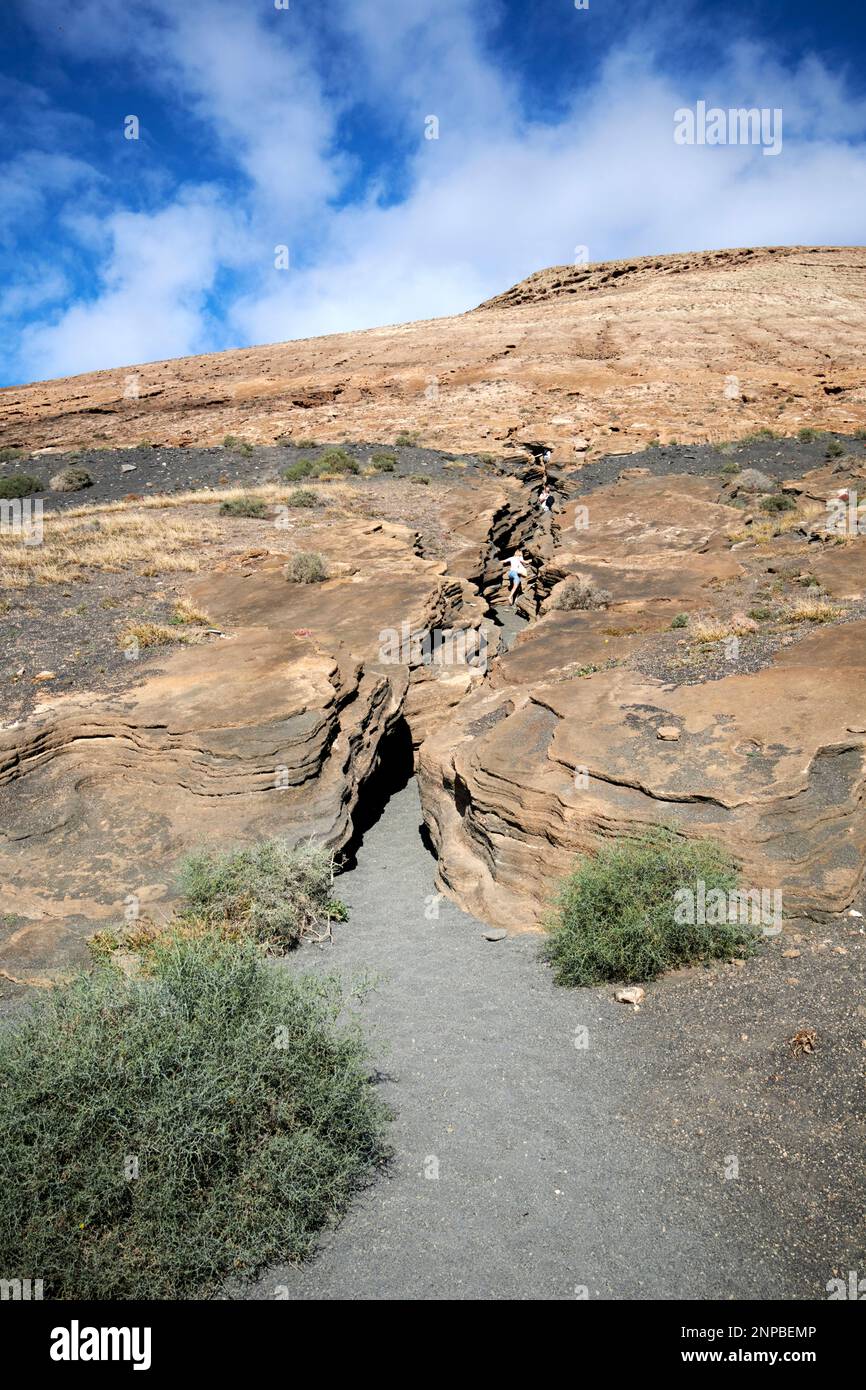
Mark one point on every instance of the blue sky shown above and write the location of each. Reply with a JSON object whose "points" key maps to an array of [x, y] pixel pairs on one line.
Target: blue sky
{"points": [[261, 127]]}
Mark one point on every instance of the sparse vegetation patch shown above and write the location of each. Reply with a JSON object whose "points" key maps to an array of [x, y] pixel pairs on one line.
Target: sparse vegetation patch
{"points": [[616, 916]]}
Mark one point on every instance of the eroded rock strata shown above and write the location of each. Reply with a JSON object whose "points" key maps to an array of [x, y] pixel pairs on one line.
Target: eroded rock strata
{"points": [[271, 728], [713, 679]]}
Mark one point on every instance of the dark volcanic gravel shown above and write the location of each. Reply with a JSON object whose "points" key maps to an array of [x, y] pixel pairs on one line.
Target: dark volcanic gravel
{"points": [[551, 1140]]}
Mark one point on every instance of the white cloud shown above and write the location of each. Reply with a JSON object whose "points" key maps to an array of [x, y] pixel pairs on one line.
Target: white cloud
{"points": [[153, 301], [496, 197]]}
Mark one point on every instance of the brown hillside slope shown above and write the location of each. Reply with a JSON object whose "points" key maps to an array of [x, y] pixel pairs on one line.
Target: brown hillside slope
{"points": [[693, 347]]}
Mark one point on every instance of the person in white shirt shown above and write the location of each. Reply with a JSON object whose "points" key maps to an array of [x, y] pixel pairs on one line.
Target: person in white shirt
{"points": [[517, 572]]}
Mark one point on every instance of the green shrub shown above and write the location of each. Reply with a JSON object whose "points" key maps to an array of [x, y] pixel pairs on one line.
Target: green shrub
{"points": [[419, 478], [296, 472], [306, 444], [273, 892], [728, 468], [302, 497], [681, 620], [238, 446], [336, 461], [19, 485], [616, 914], [834, 450], [307, 567], [244, 506], [758, 435], [10, 453], [575, 592], [808, 434], [163, 1134], [384, 463], [406, 439], [778, 502], [762, 613]]}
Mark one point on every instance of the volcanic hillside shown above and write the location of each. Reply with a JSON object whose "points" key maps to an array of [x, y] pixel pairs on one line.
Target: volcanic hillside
{"points": [[705, 346]]}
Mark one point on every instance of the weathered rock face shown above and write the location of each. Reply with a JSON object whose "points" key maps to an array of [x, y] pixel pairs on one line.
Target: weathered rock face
{"points": [[563, 746], [713, 678], [701, 346], [272, 729]]}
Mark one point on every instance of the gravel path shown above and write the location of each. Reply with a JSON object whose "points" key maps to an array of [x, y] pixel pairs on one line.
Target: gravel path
{"points": [[528, 1166]]}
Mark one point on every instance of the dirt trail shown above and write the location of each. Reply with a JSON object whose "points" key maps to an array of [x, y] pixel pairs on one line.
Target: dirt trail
{"points": [[563, 1166]]}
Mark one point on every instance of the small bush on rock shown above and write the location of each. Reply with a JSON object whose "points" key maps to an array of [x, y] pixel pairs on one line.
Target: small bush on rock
{"points": [[274, 892], [384, 463], [302, 497], [616, 916], [778, 502], [307, 567], [575, 592]]}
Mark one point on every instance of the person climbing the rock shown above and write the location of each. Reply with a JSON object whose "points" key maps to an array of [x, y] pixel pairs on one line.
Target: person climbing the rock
{"points": [[517, 572], [545, 499]]}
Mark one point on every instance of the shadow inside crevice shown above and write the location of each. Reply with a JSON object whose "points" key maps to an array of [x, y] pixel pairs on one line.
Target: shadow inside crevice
{"points": [[393, 770]]}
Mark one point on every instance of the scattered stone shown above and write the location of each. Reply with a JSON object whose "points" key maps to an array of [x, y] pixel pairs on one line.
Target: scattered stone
{"points": [[852, 912], [635, 996], [634, 473], [128, 467], [495, 934], [803, 1041], [668, 733], [790, 955], [45, 676]]}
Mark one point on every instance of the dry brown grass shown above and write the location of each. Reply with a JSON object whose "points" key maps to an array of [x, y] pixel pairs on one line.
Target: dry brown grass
{"points": [[768, 527], [185, 612], [811, 609], [109, 538], [714, 629], [149, 635]]}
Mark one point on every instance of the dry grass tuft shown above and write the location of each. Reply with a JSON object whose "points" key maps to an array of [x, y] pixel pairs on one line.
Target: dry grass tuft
{"points": [[814, 609], [149, 635], [713, 629], [185, 612], [110, 539]]}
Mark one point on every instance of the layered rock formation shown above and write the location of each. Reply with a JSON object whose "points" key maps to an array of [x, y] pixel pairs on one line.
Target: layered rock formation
{"points": [[571, 742], [272, 729], [708, 345], [713, 680]]}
